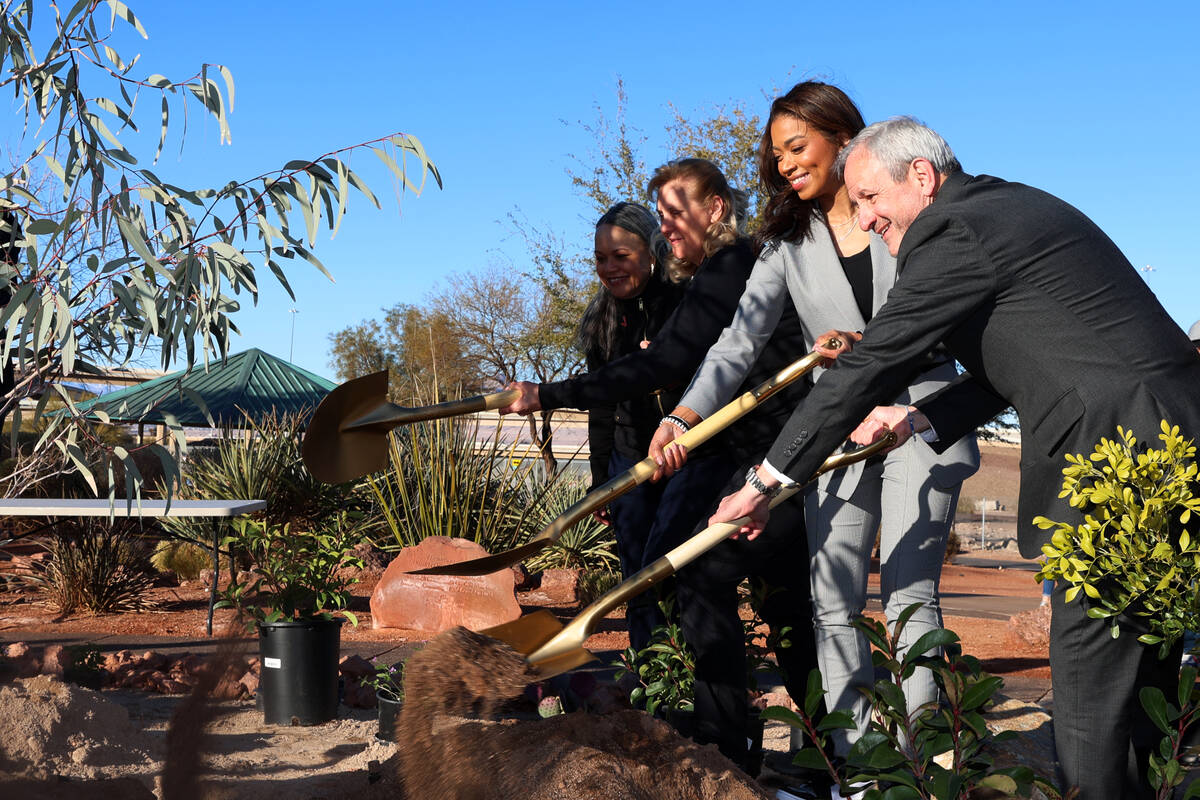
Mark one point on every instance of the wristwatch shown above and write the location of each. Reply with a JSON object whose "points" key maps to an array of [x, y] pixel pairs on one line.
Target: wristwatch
{"points": [[755, 483]]}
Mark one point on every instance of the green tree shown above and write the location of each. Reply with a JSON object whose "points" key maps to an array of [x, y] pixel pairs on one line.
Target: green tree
{"points": [[727, 135], [615, 167], [164, 266]]}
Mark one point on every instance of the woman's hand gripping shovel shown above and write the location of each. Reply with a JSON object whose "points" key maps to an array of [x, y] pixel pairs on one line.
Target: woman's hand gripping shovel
{"points": [[347, 436], [639, 473], [553, 649]]}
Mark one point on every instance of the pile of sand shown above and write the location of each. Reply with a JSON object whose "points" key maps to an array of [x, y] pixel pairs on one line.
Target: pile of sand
{"points": [[49, 728], [455, 742]]}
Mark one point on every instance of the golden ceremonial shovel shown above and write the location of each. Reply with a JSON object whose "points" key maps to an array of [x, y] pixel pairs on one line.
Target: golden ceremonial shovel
{"points": [[640, 472], [347, 436], [552, 648]]}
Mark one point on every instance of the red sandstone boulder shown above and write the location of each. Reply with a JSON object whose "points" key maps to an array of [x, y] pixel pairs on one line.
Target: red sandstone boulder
{"points": [[54, 660], [435, 603], [525, 580], [355, 667], [250, 682], [1031, 627], [558, 586]]}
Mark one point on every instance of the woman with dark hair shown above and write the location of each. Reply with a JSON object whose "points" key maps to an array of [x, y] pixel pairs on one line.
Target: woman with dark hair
{"points": [[836, 276]]}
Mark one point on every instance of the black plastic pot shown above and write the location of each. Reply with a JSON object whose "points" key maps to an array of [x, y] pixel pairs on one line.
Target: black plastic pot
{"points": [[298, 684], [389, 717]]}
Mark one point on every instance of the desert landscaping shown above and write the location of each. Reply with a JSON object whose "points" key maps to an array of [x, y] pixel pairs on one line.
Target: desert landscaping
{"points": [[62, 739]]}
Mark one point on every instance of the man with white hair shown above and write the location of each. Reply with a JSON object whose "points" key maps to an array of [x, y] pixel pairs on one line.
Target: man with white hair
{"points": [[1048, 317]]}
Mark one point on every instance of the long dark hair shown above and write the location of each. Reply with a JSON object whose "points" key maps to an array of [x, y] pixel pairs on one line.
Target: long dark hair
{"points": [[597, 336], [834, 115]]}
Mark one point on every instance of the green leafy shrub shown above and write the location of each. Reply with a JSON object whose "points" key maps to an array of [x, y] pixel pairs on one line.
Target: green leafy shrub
{"points": [[664, 671], [895, 756], [1166, 771], [387, 680], [96, 565], [296, 573], [185, 559], [1131, 553]]}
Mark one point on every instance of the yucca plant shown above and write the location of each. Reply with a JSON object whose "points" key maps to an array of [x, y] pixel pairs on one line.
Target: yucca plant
{"points": [[97, 566], [587, 545], [265, 465], [441, 484]]}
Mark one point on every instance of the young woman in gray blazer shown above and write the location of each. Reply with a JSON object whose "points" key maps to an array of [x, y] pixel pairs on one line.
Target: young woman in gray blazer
{"points": [[837, 276]]}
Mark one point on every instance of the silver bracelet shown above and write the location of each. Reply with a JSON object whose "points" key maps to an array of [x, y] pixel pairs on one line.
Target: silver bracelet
{"points": [[678, 422]]}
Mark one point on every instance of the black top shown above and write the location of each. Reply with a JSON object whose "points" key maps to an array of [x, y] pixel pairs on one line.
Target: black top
{"points": [[858, 272], [641, 319], [671, 359]]}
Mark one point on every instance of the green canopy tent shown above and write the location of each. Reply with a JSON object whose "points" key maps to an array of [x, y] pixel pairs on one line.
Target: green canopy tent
{"points": [[253, 382]]}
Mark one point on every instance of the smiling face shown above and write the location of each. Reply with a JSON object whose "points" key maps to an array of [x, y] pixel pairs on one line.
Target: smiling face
{"points": [[622, 261], [686, 218], [804, 157], [884, 205]]}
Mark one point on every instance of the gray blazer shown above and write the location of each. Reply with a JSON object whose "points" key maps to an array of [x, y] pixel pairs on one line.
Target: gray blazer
{"points": [[811, 273]]}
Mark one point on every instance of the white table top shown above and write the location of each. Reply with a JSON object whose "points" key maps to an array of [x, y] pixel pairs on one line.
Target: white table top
{"points": [[70, 507]]}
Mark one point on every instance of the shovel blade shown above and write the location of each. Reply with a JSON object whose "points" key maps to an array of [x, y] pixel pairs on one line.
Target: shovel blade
{"points": [[485, 565], [336, 456], [529, 633]]}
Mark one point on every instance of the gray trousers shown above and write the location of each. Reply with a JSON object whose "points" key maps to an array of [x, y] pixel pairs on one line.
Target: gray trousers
{"points": [[898, 499]]}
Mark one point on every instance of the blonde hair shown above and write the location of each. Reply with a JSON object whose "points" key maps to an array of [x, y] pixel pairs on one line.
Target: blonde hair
{"points": [[709, 182]]}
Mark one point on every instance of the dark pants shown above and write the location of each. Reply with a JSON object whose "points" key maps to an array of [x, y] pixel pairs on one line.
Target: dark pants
{"points": [[1101, 732], [652, 519], [708, 602]]}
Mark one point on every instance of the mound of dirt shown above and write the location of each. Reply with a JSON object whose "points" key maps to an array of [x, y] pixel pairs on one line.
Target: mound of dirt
{"points": [[50, 728], [454, 746]]}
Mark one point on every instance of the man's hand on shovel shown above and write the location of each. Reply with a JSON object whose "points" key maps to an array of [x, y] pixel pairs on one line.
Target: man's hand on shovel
{"points": [[904, 421], [833, 343], [747, 502], [527, 403]]}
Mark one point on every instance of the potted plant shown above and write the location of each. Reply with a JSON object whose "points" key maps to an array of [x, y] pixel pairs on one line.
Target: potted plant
{"points": [[296, 596], [388, 683]]}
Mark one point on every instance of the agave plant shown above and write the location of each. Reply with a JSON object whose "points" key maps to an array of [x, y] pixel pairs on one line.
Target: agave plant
{"points": [[587, 546]]}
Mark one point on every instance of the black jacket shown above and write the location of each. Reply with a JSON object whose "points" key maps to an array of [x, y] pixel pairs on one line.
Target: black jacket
{"points": [[674, 354]]}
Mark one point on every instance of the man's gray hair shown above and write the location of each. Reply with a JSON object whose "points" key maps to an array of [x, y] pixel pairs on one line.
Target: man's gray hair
{"points": [[896, 143]]}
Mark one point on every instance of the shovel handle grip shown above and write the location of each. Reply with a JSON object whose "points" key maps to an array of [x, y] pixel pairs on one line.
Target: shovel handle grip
{"points": [[388, 415]]}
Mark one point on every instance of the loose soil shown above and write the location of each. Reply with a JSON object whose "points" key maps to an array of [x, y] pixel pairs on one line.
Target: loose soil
{"points": [[456, 689], [96, 740]]}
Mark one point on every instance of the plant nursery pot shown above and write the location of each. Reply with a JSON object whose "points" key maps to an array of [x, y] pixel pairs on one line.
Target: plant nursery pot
{"points": [[298, 684], [389, 716]]}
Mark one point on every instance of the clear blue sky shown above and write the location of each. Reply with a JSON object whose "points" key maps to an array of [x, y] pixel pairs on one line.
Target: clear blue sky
{"points": [[1094, 102]]}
